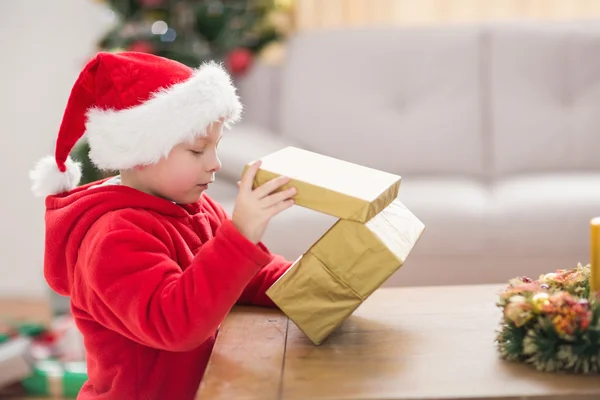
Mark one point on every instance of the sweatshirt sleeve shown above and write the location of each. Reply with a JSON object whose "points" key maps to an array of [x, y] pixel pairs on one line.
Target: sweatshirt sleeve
{"points": [[135, 288], [255, 291]]}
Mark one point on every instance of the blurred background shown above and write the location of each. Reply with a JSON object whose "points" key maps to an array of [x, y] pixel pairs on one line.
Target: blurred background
{"points": [[488, 109]]}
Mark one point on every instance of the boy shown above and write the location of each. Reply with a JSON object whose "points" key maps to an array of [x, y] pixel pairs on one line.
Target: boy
{"points": [[151, 264]]}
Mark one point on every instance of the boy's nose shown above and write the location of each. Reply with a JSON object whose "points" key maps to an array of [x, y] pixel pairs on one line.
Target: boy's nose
{"points": [[216, 165]]}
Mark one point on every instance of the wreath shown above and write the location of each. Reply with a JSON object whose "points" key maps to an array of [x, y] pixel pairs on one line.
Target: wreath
{"points": [[551, 323]]}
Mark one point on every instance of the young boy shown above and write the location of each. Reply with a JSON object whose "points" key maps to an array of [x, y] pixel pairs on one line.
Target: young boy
{"points": [[151, 264]]}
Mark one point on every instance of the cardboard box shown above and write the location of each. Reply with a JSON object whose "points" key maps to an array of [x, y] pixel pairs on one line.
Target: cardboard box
{"points": [[371, 240]]}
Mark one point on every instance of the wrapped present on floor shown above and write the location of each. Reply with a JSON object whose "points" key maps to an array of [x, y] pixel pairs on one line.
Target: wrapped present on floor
{"points": [[16, 362], [69, 345], [56, 378], [17, 350], [41, 361], [371, 240]]}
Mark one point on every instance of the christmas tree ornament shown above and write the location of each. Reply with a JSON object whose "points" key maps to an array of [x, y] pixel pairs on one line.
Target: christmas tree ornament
{"points": [[239, 60], [141, 46], [273, 54]]}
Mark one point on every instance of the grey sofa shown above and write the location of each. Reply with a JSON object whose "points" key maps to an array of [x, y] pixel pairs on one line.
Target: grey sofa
{"points": [[495, 130]]}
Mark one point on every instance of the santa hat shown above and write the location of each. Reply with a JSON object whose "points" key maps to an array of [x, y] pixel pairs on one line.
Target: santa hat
{"points": [[133, 108]]}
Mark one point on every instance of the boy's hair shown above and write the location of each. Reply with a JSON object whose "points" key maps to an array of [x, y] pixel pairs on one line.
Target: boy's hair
{"points": [[133, 108]]}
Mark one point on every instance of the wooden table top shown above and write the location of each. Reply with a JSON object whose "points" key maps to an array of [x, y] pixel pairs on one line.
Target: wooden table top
{"points": [[402, 343]]}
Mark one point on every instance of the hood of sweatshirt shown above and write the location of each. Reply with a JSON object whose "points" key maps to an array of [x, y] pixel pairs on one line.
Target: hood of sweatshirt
{"points": [[70, 215]]}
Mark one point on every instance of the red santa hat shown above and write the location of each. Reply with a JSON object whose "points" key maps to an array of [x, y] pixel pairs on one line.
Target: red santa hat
{"points": [[133, 108]]}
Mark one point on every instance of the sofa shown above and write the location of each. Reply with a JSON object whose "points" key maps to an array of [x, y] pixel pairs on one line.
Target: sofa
{"points": [[494, 129]]}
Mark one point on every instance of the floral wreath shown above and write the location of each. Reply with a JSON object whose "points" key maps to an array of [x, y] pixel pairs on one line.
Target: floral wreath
{"points": [[551, 323]]}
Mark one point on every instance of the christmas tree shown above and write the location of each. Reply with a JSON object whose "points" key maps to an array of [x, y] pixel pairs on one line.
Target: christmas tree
{"points": [[233, 32], [193, 31]]}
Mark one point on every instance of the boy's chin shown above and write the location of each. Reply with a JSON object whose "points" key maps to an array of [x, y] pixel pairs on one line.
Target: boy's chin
{"points": [[189, 198], [193, 197]]}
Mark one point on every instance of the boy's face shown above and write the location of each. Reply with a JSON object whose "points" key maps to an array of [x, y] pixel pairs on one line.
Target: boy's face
{"points": [[187, 171]]}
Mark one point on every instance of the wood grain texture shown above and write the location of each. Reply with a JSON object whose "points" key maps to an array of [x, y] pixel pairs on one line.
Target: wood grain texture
{"points": [[402, 343], [247, 359], [420, 343]]}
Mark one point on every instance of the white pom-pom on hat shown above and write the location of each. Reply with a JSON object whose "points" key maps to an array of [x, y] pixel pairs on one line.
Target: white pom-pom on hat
{"points": [[47, 179]]}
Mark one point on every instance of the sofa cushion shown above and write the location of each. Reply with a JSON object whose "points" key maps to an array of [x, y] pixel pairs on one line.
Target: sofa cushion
{"points": [[454, 212], [407, 101], [224, 192], [544, 98], [258, 89], [544, 215]]}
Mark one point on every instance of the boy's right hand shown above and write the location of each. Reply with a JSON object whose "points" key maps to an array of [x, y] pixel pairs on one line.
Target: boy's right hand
{"points": [[254, 208]]}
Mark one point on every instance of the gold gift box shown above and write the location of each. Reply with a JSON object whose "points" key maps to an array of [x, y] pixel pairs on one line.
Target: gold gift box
{"points": [[370, 241], [331, 186]]}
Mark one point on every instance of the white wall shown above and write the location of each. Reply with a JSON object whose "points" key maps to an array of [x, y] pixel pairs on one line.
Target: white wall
{"points": [[43, 46]]}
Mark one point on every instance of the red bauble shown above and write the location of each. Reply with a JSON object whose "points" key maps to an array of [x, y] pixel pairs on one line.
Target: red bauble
{"points": [[141, 46], [239, 60]]}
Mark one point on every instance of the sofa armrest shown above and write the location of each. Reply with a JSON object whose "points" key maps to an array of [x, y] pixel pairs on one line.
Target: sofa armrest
{"points": [[246, 143]]}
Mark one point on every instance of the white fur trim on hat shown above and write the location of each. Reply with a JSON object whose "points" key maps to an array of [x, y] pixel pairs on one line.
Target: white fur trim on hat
{"points": [[141, 135], [47, 179]]}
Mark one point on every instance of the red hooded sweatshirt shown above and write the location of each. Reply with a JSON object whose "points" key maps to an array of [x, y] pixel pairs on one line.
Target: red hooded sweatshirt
{"points": [[150, 282]]}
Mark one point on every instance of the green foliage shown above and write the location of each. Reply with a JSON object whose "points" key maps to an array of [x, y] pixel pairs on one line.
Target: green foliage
{"points": [[89, 172], [552, 323], [197, 30], [510, 341]]}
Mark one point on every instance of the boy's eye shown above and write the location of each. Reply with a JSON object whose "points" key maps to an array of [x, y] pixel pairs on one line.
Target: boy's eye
{"points": [[197, 153]]}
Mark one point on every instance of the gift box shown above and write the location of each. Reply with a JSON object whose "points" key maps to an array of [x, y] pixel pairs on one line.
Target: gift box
{"points": [[38, 361], [328, 185], [56, 378], [371, 240], [16, 362]]}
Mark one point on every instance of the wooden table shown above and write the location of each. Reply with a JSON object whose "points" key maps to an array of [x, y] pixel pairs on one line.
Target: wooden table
{"points": [[26, 310], [402, 343]]}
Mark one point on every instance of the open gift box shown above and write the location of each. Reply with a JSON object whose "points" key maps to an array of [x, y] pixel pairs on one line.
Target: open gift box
{"points": [[371, 240]]}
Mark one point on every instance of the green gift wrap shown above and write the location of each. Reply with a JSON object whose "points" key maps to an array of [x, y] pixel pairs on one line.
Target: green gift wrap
{"points": [[56, 378]]}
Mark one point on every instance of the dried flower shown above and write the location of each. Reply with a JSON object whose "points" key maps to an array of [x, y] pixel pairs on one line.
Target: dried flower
{"points": [[562, 298], [519, 313], [568, 314]]}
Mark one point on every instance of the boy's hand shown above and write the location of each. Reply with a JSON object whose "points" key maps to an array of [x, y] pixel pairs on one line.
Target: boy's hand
{"points": [[254, 208]]}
